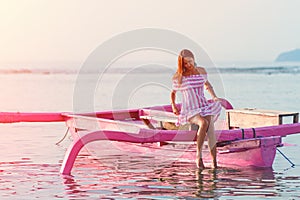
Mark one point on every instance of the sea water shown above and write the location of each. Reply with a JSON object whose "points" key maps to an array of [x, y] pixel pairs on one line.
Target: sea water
{"points": [[30, 159]]}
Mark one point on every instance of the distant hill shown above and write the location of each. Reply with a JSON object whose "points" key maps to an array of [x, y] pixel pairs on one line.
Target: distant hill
{"points": [[290, 56]]}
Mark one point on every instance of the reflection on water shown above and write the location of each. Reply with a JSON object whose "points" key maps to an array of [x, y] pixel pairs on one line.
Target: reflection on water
{"points": [[232, 182], [180, 180], [135, 177]]}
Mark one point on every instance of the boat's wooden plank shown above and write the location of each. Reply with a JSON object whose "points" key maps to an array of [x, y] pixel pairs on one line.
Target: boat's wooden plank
{"points": [[164, 118], [246, 118], [262, 112], [158, 115], [94, 123]]}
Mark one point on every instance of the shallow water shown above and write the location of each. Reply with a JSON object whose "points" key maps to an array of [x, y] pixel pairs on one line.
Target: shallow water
{"points": [[127, 176], [30, 160]]}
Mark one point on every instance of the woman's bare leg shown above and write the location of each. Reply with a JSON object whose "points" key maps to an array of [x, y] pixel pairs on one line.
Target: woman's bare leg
{"points": [[203, 125], [212, 141]]}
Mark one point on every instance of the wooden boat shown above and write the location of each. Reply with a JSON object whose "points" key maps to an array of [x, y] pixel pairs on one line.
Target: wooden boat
{"points": [[141, 131]]}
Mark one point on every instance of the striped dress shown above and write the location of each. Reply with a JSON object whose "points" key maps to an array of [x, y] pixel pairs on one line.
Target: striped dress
{"points": [[193, 99]]}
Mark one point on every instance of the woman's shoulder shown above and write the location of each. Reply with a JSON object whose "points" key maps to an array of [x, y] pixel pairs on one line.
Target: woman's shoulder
{"points": [[201, 70], [175, 76]]}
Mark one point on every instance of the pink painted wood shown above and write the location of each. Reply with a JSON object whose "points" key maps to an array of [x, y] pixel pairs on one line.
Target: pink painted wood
{"points": [[13, 117], [279, 130]]}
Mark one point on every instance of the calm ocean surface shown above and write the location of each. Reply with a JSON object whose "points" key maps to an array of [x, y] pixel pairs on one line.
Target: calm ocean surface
{"points": [[30, 160]]}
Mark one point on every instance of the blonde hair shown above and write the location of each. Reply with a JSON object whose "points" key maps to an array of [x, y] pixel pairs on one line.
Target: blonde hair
{"points": [[180, 68]]}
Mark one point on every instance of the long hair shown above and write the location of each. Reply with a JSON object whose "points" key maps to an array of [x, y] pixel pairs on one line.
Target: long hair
{"points": [[180, 68]]}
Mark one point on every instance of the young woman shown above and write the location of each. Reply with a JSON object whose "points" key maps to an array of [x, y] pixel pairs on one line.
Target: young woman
{"points": [[191, 80]]}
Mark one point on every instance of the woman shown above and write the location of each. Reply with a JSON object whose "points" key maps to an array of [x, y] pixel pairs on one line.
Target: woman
{"points": [[191, 80]]}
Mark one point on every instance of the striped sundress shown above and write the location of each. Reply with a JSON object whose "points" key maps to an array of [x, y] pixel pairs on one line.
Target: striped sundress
{"points": [[193, 99]]}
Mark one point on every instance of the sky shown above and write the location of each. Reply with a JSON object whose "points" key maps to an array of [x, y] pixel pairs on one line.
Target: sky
{"points": [[67, 31]]}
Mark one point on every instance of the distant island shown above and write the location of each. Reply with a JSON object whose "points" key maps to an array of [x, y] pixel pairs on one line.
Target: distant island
{"points": [[289, 56]]}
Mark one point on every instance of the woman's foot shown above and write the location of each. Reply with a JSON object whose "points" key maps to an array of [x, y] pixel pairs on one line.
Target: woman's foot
{"points": [[214, 164], [199, 163], [213, 153]]}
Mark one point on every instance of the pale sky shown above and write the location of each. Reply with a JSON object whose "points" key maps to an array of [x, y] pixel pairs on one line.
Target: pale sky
{"points": [[41, 31]]}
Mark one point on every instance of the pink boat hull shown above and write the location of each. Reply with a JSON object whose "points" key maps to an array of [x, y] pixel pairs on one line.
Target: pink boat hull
{"points": [[253, 153], [256, 152], [127, 131]]}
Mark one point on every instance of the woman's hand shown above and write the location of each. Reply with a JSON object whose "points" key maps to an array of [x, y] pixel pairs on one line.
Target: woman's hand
{"points": [[175, 109], [216, 99]]}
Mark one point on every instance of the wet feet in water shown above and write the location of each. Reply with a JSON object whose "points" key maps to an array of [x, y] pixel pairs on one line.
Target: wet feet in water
{"points": [[199, 163]]}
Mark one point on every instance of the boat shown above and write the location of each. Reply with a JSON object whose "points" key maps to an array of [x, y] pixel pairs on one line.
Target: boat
{"points": [[142, 130]]}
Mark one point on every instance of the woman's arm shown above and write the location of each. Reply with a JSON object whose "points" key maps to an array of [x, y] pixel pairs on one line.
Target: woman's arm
{"points": [[211, 91], [173, 98], [207, 84]]}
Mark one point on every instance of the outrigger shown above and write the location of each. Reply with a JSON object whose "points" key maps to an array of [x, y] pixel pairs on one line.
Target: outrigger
{"points": [[250, 138]]}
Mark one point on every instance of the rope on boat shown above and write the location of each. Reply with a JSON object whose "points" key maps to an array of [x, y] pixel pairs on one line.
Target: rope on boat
{"points": [[57, 143], [254, 133], [243, 133], [286, 158]]}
